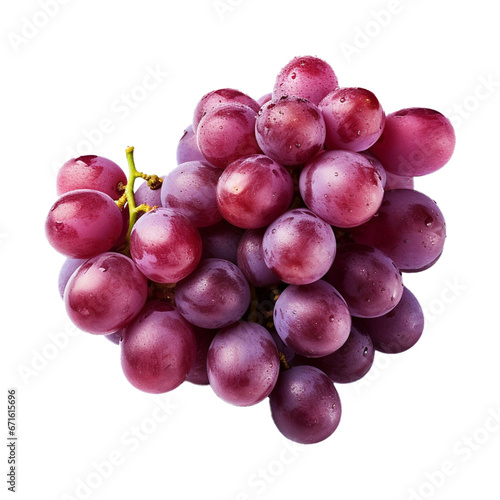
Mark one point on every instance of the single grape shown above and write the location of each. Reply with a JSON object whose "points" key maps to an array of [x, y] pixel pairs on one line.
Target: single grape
{"points": [[399, 329], [217, 98], [415, 142], [215, 295], [305, 405], [105, 294], [67, 269], [409, 227], [341, 187], [187, 148], [253, 191], [367, 279], [190, 189], [349, 363], [158, 349], [354, 118], [290, 130], [299, 247], [312, 319], [227, 133], [198, 374], [250, 259], [220, 241], [144, 195], [91, 172], [307, 77], [165, 245], [83, 223], [243, 364]]}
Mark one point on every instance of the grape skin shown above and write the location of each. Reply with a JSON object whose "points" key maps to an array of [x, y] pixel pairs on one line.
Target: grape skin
{"points": [[215, 295], [105, 293], [299, 247], [305, 405], [253, 191], [409, 227], [221, 241], [312, 319], [83, 223], [243, 363], [308, 77], [290, 130], [341, 187], [415, 142], [158, 349], [91, 172], [190, 189], [367, 279], [165, 245], [227, 133], [354, 119], [187, 148]]}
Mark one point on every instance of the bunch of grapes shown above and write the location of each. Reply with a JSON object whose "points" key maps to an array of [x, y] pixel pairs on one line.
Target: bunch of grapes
{"points": [[267, 264]]}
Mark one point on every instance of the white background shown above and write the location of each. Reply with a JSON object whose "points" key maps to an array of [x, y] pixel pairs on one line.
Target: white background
{"points": [[421, 425]]}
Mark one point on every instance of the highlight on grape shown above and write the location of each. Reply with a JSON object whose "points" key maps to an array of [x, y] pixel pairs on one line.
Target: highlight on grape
{"points": [[269, 263]]}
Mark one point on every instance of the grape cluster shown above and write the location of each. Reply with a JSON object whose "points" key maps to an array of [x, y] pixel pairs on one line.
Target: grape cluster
{"points": [[269, 263]]}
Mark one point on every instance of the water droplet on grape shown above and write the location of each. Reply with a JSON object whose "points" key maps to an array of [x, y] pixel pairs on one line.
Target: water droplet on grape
{"points": [[342, 99], [365, 352], [297, 145], [332, 319], [273, 231], [293, 76], [359, 133], [429, 221]]}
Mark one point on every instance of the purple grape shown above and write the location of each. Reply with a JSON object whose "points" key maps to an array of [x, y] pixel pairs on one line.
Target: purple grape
{"points": [[220, 241], [354, 119], [215, 295], [91, 172], [367, 279], [83, 223], [250, 259], [299, 247], [312, 319], [349, 363], [198, 374], [158, 349], [341, 187], [218, 98], [415, 142], [243, 364], [67, 269], [144, 195], [290, 130], [105, 294], [305, 405], [165, 245], [187, 148], [227, 133], [398, 182], [399, 329], [253, 191], [409, 227], [190, 189], [307, 77]]}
